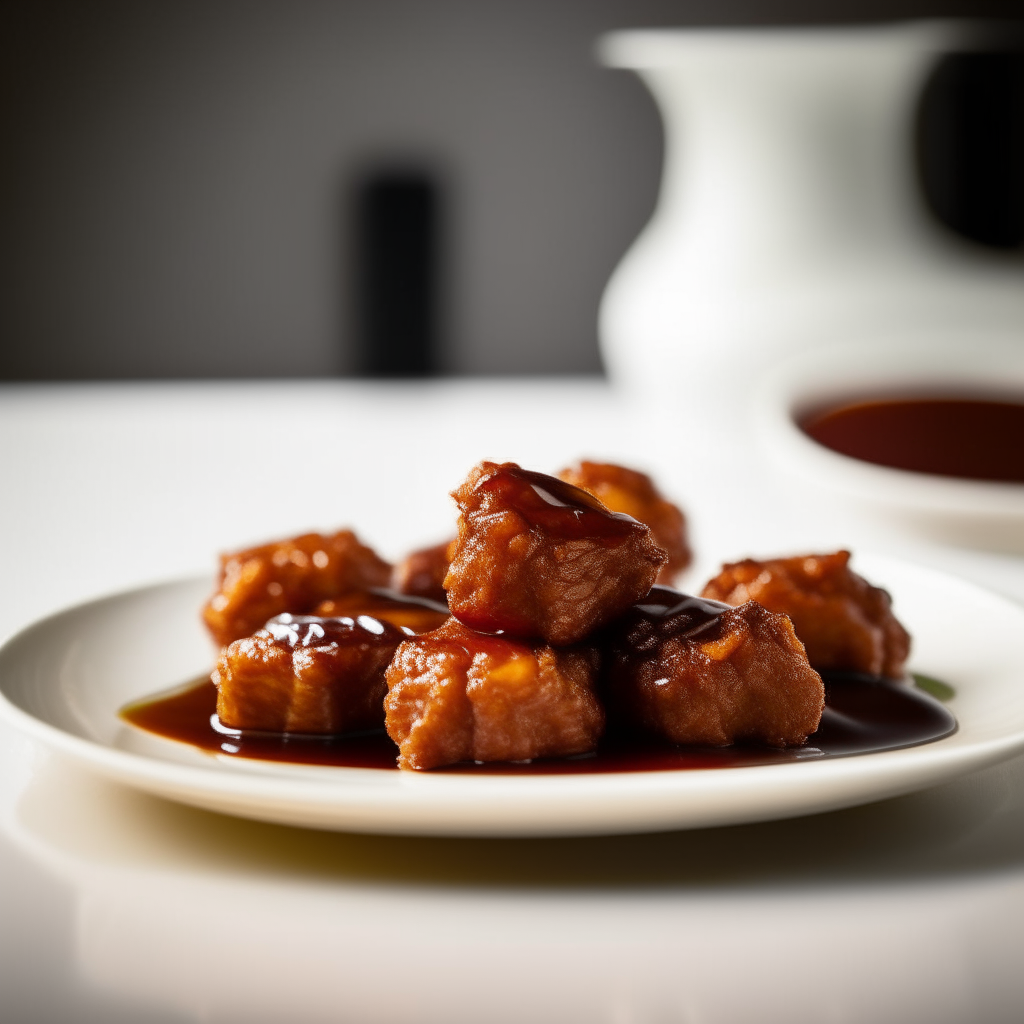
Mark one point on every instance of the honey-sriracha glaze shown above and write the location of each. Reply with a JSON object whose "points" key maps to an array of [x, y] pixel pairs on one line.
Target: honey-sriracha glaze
{"points": [[862, 715]]}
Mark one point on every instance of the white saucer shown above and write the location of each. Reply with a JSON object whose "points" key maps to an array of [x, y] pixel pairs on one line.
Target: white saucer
{"points": [[63, 680], [971, 513]]}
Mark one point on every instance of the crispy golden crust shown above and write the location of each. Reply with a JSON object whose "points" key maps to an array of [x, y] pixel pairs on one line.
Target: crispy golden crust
{"points": [[456, 695], [634, 494], [307, 674], [718, 678], [291, 575], [422, 573], [538, 558], [844, 622]]}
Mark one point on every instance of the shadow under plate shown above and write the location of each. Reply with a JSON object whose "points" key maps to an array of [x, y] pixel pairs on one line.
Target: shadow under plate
{"points": [[969, 827]]}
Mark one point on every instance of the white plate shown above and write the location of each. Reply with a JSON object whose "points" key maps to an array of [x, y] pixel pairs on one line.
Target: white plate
{"points": [[63, 680]]}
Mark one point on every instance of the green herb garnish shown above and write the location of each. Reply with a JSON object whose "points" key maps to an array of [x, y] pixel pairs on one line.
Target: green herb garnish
{"points": [[938, 689]]}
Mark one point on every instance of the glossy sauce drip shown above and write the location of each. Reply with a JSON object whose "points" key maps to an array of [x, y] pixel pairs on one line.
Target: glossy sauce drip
{"points": [[497, 646], [316, 631], [862, 715], [559, 509], [690, 614], [419, 614], [965, 438]]}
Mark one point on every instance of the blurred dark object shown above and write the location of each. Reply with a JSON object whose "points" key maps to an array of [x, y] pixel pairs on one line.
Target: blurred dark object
{"points": [[971, 145], [169, 182], [397, 274]]}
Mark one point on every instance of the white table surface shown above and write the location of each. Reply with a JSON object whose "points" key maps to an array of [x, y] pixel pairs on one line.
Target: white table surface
{"points": [[116, 906]]}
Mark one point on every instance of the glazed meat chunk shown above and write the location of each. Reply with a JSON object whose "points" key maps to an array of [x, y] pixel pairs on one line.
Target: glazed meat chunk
{"points": [[288, 576], [457, 695], [418, 614], [536, 557], [697, 671], [626, 490], [422, 573], [844, 622], [307, 674]]}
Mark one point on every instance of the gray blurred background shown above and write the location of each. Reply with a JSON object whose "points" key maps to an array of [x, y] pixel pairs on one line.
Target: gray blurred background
{"points": [[180, 181]]}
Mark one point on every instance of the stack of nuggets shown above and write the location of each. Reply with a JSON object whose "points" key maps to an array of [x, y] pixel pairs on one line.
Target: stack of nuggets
{"points": [[618, 488], [537, 567], [556, 629]]}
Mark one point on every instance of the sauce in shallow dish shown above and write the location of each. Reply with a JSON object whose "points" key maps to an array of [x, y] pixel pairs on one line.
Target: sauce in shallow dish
{"points": [[966, 438]]}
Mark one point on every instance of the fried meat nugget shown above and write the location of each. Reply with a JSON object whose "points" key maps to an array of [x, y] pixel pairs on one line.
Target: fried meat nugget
{"points": [[288, 576], [536, 557], [307, 674], [422, 573], [633, 493], [457, 695], [844, 622], [418, 614], [697, 671]]}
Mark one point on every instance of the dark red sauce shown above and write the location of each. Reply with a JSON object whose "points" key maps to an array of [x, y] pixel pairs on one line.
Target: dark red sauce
{"points": [[559, 508], [967, 438], [862, 715]]}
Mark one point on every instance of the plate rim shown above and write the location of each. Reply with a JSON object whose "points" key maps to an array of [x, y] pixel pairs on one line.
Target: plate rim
{"points": [[338, 797]]}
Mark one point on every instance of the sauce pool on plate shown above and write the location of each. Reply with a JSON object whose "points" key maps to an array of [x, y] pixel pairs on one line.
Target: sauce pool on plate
{"points": [[862, 715], [971, 439]]}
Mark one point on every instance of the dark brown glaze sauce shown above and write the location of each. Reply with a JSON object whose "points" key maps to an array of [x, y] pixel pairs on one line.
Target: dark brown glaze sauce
{"points": [[558, 508], [862, 715], [967, 438], [420, 614], [688, 614]]}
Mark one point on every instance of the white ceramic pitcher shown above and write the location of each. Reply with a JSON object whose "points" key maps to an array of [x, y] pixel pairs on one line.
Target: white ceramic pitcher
{"points": [[789, 215]]}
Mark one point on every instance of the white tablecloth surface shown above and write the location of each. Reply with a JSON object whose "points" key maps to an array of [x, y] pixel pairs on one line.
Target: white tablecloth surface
{"points": [[116, 906]]}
